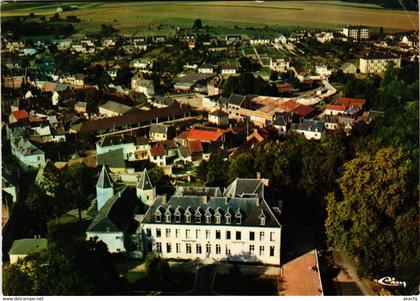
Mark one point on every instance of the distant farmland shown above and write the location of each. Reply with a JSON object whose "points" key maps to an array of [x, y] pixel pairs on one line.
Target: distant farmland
{"points": [[164, 17]]}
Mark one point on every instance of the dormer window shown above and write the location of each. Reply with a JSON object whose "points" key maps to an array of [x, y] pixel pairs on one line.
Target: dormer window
{"points": [[238, 217], [168, 215], [228, 217], [158, 215], [208, 216], [197, 216], [177, 215], [188, 215], [262, 218], [218, 216]]}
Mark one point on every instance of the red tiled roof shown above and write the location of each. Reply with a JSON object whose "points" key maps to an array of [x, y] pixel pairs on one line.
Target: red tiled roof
{"points": [[351, 102], [195, 146], [20, 115], [289, 105], [157, 150], [204, 135], [336, 107], [303, 110]]}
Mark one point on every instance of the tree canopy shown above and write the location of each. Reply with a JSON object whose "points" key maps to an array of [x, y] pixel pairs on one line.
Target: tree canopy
{"points": [[373, 216]]}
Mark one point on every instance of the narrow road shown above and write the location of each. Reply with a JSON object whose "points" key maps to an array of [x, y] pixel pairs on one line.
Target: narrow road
{"points": [[347, 280], [204, 280]]}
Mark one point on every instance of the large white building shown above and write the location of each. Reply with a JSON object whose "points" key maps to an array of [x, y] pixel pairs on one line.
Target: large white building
{"points": [[201, 222], [377, 64], [357, 32]]}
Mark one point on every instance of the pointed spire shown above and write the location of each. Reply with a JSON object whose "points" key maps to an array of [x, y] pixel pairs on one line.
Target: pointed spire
{"points": [[105, 180], [144, 182]]}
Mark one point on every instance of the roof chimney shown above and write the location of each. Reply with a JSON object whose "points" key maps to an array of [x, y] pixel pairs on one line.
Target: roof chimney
{"points": [[226, 200], [258, 175], [164, 199], [205, 199]]}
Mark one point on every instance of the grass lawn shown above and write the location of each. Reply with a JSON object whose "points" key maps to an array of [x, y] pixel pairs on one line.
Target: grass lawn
{"points": [[163, 17], [180, 279]]}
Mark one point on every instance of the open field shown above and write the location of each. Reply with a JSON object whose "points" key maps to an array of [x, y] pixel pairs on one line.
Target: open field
{"points": [[165, 17]]}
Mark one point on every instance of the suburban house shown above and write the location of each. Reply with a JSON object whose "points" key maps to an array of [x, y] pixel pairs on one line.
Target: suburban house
{"points": [[143, 86], [133, 148], [202, 222], [206, 69], [335, 109], [161, 132], [18, 116], [279, 64], [157, 154], [112, 108], [233, 39], [26, 246], [259, 41], [324, 37], [161, 101], [80, 107], [228, 69], [311, 129], [378, 63], [219, 118], [28, 155]]}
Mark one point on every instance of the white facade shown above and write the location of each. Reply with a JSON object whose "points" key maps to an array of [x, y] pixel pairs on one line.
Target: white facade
{"points": [[322, 71], [279, 64], [221, 242], [311, 134], [377, 65]]}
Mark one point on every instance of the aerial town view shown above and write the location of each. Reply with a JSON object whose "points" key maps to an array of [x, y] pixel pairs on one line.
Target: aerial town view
{"points": [[210, 148]]}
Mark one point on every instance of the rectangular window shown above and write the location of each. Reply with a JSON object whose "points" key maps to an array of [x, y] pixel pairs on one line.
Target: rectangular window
{"points": [[227, 251], [168, 248], [187, 233], [188, 248], [168, 217], [158, 233], [261, 250], [272, 251], [197, 234], [217, 234], [149, 232], [198, 249], [188, 218], [208, 249], [178, 218], [218, 249], [228, 220], [208, 219], [217, 219], [261, 236], [272, 236], [178, 247], [176, 233], [251, 235], [251, 249], [227, 234], [158, 218], [207, 234], [168, 233], [238, 235], [198, 219], [159, 247]]}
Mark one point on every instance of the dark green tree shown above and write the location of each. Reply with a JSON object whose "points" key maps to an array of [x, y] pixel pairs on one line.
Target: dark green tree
{"points": [[197, 24]]}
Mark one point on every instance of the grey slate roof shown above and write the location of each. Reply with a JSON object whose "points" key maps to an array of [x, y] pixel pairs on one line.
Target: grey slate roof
{"points": [[201, 200], [144, 182], [159, 128], [28, 245], [310, 125], [236, 99], [104, 180], [113, 159], [116, 213], [245, 187]]}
